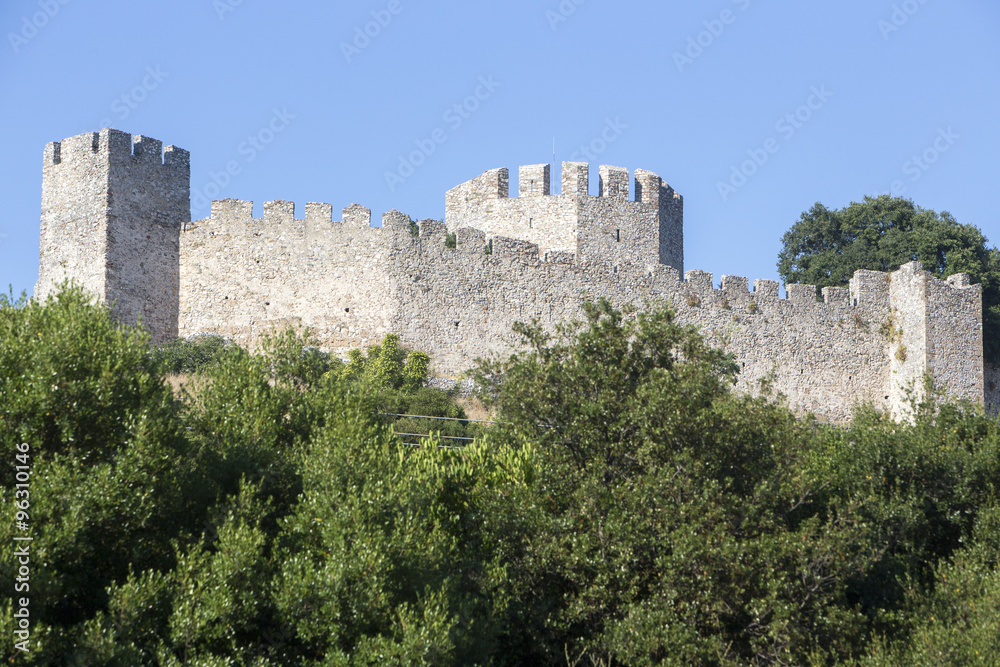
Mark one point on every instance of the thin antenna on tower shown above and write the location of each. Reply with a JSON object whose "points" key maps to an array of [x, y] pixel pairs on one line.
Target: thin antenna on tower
{"points": [[553, 152]]}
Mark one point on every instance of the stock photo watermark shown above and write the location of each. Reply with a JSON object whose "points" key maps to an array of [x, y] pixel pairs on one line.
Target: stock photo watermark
{"points": [[787, 126], [562, 13], [31, 25], [363, 35], [454, 116], [696, 44], [22, 547], [223, 7], [920, 164], [254, 145], [900, 16], [613, 130], [126, 103]]}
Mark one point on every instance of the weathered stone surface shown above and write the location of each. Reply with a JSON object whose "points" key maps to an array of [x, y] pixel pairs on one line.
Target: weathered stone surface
{"points": [[991, 380], [112, 210], [112, 214]]}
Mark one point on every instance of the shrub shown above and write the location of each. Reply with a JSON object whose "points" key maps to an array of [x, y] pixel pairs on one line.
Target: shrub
{"points": [[189, 355]]}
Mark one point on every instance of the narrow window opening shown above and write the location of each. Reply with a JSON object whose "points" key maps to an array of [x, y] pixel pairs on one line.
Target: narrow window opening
{"points": [[532, 186], [618, 236], [529, 222], [347, 310]]}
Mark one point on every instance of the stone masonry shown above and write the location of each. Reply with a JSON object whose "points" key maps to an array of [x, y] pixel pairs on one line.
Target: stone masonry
{"points": [[115, 217], [112, 211]]}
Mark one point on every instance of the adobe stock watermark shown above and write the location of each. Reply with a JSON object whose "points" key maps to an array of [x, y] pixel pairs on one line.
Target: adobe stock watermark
{"points": [[22, 547], [31, 25], [126, 103], [454, 117], [900, 16], [613, 130], [920, 163], [254, 145], [223, 7], [562, 13], [787, 126], [363, 36], [714, 28]]}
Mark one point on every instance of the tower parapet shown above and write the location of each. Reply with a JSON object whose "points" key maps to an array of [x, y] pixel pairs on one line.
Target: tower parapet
{"points": [[608, 228], [112, 210]]}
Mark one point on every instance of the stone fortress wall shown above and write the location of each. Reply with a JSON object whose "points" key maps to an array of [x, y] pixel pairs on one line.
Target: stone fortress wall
{"points": [[538, 255]]}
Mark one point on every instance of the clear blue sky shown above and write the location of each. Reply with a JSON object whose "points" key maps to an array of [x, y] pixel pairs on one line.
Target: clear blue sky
{"points": [[688, 90]]}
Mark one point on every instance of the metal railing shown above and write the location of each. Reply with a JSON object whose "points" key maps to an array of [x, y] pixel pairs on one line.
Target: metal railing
{"points": [[463, 439]]}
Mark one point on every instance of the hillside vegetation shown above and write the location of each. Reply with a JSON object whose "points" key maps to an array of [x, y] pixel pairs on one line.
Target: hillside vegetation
{"points": [[627, 508]]}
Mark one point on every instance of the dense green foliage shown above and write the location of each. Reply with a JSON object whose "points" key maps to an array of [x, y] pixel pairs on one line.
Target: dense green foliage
{"points": [[189, 355], [394, 378], [627, 509], [825, 247]]}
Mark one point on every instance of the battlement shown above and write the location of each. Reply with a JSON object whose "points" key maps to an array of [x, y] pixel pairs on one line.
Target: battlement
{"points": [[117, 146], [318, 233], [609, 227], [868, 292], [535, 180], [735, 290], [869, 289], [237, 214]]}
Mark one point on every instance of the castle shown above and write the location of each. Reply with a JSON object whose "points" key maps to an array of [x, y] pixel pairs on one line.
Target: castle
{"points": [[115, 217]]}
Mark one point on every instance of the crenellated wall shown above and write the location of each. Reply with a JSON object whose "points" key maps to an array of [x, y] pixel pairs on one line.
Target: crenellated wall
{"points": [[241, 276], [110, 218], [647, 230], [351, 284]]}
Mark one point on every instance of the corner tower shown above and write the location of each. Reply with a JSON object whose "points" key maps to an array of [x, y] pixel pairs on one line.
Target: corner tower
{"points": [[112, 210]]}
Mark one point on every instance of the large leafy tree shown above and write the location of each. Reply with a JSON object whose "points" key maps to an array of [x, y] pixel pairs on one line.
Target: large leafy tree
{"points": [[826, 246], [666, 522]]}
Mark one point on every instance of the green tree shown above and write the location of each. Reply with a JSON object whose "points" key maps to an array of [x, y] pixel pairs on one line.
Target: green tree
{"points": [[385, 559], [111, 474], [667, 520], [73, 382], [189, 355], [826, 246], [386, 366]]}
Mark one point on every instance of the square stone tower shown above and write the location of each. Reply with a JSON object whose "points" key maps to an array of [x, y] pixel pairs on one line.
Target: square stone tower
{"points": [[608, 228], [112, 211]]}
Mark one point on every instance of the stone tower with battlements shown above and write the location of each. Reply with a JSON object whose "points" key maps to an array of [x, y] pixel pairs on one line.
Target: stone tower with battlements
{"points": [[112, 211], [646, 230], [115, 213]]}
